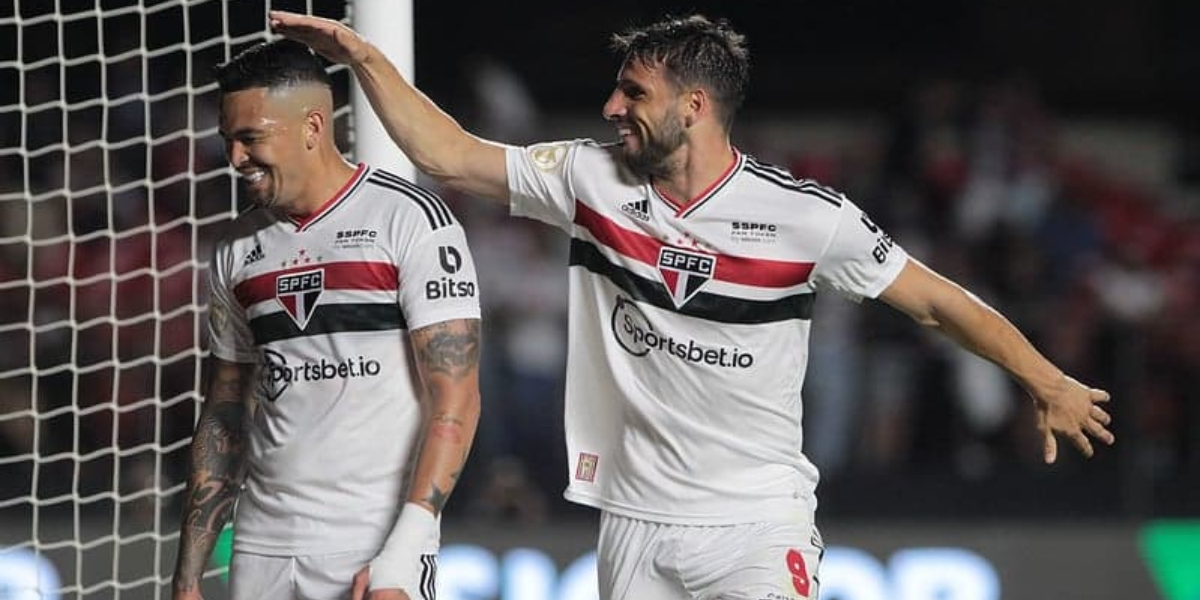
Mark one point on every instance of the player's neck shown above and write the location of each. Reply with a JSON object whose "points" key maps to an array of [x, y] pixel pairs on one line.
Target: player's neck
{"points": [[326, 179], [700, 165]]}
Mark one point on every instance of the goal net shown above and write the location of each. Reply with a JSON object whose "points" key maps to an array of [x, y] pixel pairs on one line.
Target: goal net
{"points": [[113, 186]]}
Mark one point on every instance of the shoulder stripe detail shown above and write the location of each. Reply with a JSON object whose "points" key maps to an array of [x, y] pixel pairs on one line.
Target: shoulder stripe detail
{"points": [[825, 193], [703, 305], [439, 215], [429, 195], [772, 177], [327, 319], [430, 216], [784, 179], [780, 171]]}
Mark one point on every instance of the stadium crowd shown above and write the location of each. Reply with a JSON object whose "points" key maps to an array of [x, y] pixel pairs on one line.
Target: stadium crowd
{"points": [[102, 288]]}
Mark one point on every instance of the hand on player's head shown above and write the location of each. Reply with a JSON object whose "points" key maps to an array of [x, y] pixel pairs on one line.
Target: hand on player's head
{"points": [[329, 38]]}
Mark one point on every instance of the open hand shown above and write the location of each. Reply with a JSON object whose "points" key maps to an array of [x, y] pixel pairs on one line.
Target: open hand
{"points": [[327, 37], [1073, 410]]}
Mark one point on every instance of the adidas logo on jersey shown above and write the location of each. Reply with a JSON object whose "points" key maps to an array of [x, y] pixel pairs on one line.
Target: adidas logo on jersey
{"points": [[254, 255], [638, 209]]}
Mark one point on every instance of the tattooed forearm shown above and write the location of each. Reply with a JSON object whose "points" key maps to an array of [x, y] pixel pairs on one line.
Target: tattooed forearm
{"points": [[437, 499], [217, 457], [448, 427], [450, 347], [217, 450]]}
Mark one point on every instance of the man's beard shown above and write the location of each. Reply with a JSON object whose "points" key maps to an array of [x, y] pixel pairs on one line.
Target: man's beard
{"points": [[652, 160]]}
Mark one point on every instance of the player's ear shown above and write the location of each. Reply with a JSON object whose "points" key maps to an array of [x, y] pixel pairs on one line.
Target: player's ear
{"points": [[697, 104], [314, 128]]}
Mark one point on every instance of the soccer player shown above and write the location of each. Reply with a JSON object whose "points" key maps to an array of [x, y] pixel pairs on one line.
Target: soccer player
{"points": [[344, 327], [693, 273]]}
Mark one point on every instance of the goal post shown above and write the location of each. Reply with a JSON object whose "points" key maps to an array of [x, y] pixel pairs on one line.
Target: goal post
{"points": [[113, 187]]}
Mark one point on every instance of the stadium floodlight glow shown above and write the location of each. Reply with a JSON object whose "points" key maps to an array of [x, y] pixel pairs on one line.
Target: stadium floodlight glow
{"points": [[27, 576]]}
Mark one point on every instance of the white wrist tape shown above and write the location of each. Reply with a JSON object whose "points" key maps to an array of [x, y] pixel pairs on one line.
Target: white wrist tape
{"points": [[398, 564]]}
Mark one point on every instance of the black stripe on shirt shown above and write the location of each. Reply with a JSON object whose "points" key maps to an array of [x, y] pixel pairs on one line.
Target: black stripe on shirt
{"points": [[711, 307], [326, 319], [825, 193], [421, 195], [431, 214], [773, 178], [785, 180]]}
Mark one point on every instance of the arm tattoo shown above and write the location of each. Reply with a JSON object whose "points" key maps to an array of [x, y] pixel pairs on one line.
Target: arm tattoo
{"points": [[218, 450], [437, 498], [450, 347]]}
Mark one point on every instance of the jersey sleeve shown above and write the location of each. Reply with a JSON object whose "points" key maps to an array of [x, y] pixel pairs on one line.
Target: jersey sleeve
{"points": [[437, 279], [539, 182], [229, 335], [861, 260]]}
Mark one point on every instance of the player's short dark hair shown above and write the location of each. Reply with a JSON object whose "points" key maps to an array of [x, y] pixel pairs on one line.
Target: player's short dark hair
{"points": [[277, 64], [696, 52]]}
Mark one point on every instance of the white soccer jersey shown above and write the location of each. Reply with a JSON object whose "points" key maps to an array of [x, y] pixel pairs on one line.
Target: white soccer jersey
{"points": [[323, 306], [689, 328]]}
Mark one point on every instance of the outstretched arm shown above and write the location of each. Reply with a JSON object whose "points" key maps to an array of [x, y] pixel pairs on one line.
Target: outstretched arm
{"points": [[434, 141], [447, 357], [1064, 406], [217, 458]]}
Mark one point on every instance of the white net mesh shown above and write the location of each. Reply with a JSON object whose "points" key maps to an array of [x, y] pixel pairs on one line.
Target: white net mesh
{"points": [[112, 187]]}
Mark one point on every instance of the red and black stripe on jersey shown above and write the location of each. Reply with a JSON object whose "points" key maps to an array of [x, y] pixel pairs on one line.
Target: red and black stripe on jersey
{"points": [[635, 246], [327, 317]]}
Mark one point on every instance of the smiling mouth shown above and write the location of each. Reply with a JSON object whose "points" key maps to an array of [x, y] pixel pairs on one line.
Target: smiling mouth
{"points": [[252, 177]]}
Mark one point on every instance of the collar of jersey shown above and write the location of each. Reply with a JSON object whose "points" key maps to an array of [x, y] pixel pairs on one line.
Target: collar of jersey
{"points": [[329, 205], [685, 209]]}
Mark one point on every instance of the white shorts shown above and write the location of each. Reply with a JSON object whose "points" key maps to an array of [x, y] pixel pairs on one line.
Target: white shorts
{"points": [[318, 577], [643, 560]]}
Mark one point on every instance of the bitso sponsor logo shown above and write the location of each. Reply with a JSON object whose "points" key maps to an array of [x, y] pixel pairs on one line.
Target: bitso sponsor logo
{"points": [[298, 293], [277, 375], [883, 241], [684, 272], [637, 336], [447, 287], [450, 259]]}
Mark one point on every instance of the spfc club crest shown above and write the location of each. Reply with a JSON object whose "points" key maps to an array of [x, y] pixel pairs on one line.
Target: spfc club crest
{"points": [[684, 272], [298, 293]]}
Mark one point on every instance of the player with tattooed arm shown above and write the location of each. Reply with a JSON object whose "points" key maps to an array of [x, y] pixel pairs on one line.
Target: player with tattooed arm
{"points": [[693, 270], [343, 389]]}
